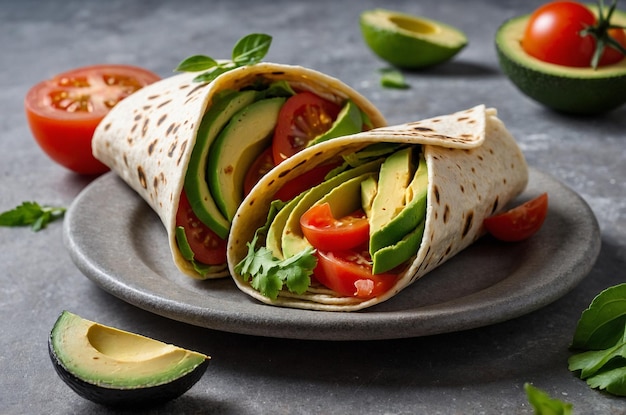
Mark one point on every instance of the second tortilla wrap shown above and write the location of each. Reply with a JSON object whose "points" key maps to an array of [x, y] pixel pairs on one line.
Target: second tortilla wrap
{"points": [[475, 168], [148, 138]]}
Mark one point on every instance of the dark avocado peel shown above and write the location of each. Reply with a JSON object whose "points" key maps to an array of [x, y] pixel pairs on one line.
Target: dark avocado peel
{"points": [[120, 369], [584, 91]]}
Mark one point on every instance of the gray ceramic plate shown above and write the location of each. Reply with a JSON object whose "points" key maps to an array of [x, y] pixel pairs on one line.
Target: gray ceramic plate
{"points": [[118, 242]]}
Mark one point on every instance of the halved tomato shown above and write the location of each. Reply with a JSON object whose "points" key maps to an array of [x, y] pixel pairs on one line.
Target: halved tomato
{"points": [[63, 112], [326, 233], [520, 222], [349, 273], [303, 117], [207, 247]]}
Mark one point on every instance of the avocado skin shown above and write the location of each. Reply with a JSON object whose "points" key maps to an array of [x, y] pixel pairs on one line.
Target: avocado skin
{"points": [[142, 397], [567, 93]]}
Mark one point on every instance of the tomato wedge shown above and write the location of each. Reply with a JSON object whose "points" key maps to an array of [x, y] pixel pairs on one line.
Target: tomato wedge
{"points": [[521, 222], [326, 233], [207, 247], [303, 117], [259, 168], [349, 273], [63, 112]]}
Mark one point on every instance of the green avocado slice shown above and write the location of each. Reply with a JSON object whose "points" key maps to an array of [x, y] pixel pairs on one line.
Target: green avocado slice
{"points": [[292, 239], [349, 121], [245, 136], [196, 187]]}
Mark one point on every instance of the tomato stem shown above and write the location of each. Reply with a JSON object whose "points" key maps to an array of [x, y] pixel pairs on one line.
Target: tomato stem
{"points": [[601, 33]]}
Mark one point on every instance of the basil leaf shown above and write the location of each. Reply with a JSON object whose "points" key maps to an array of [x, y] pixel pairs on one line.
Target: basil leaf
{"points": [[196, 63], [31, 214], [211, 75], [602, 324], [251, 49]]}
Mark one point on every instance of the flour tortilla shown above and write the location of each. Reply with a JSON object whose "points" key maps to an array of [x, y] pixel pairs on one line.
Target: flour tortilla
{"points": [[475, 168], [147, 138]]}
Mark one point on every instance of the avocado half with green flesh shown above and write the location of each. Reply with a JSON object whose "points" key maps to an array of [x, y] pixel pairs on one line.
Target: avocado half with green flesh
{"points": [[118, 368], [408, 41], [562, 88]]}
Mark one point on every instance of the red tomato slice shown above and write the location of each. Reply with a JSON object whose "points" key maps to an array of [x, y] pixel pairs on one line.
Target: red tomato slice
{"points": [[326, 233], [303, 117], [306, 181], [63, 112], [207, 247], [258, 169], [521, 222], [349, 273]]}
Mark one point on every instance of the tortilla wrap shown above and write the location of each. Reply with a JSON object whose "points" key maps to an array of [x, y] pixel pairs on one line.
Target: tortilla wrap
{"points": [[148, 138], [475, 168]]}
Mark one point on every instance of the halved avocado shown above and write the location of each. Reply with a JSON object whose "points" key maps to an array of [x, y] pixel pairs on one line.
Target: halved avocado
{"points": [[565, 89], [410, 41], [118, 368]]}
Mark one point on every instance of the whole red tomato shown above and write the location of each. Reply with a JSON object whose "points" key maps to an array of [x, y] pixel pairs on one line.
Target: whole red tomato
{"points": [[553, 35], [64, 111]]}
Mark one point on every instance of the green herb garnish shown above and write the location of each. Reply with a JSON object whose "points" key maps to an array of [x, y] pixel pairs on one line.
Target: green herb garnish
{"points": [[31, 214], [249, 50], [543, 404], [268, 274], [392, 78], [600, 338]]}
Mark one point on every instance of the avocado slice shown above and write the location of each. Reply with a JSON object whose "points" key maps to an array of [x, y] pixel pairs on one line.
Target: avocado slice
{"points": [[292, 239], [234, 150], [565, 89], [387, 258], [408, 216], [118, 368], [349, 121], [196, 187], [393, 181]]}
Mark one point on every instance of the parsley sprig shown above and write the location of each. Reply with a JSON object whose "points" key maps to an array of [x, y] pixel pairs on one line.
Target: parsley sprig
{"points": [[268, 274], [31, 214], [600, 32], [248, 50], [600, 342]]}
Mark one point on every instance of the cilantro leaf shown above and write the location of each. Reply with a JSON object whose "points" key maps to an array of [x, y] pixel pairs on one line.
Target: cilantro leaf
{"points": [[248, 50], [543, 404], [268, 274], [393, 78], [31, 214]]}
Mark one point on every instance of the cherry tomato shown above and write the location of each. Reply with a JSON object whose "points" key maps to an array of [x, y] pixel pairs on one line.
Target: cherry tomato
{"points": [[258, 169], [207, 247], [520, 222], [612, 55], [349, 273], [553, 35], [326, 233], [306, 181], [303, 117], [63, 112]]}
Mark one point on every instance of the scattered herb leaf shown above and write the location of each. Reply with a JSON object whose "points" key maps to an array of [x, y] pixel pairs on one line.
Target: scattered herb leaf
{"points": [[31, 214], [543, 404], [600, 338], [392, 78], [268, 274], [248, 50]]}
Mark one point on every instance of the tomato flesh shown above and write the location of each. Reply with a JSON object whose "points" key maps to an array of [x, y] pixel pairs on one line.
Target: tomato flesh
{"points": [[520, 222], [263, 163], [64, 111], [349, 273], [303, 117], [326, 233], [207, 247], [553, 35], [304, 182]]}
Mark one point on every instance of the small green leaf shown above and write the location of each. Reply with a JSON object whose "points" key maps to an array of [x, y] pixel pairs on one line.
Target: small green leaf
{"points": [[251, 49], [613, 381], [393, 78], [211, 75], [196, 63], [31, 214], [543, 404]]}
